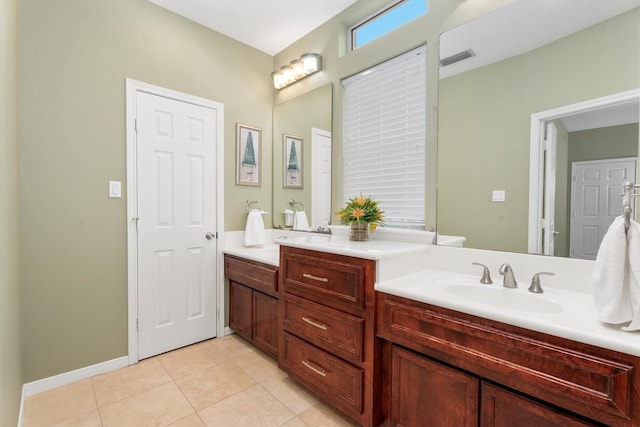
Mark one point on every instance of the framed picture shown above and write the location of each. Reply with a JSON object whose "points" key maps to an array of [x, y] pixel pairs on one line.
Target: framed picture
{"points": [[249, 155], [292, 161]]}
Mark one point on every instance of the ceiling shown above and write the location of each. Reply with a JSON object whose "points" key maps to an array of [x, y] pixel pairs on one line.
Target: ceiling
{"points": [[267, 25], [272, 25]]}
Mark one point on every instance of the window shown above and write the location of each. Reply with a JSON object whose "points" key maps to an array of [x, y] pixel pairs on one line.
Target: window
{"points": [[384, 137], [385, 21]]}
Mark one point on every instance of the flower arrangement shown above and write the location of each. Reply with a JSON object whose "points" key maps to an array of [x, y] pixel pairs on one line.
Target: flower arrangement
{"points": [[362, 210]]}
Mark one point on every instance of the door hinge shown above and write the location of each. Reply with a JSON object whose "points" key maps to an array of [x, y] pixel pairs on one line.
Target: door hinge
{"points": [[135, 124], [138, 325], [136, 219]]}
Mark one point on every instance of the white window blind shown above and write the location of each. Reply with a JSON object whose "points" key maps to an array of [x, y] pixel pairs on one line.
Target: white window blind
{"points": [[384, 135]]}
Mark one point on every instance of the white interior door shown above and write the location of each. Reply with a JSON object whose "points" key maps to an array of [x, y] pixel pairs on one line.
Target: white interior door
{"points": [[176, 178], [551, 141], [595, 201], [320, 178]]}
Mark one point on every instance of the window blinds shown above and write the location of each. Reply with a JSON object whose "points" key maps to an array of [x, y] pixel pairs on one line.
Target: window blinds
{"points": [[384, 135]]}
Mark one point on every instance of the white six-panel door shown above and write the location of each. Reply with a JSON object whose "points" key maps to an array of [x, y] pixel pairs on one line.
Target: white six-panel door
{"points": [[176, 185], [596, 199]]}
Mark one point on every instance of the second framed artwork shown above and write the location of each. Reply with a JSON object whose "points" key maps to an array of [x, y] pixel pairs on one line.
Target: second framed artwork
{"points": [[293, 165], [249, 155]]}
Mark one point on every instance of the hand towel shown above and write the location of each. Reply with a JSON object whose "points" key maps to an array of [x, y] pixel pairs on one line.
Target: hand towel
{"points": [[633, 270], [300, 221], [610, 278], [254, 234]]}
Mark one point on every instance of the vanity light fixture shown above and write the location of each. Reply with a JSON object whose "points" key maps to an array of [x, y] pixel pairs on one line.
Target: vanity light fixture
{"points": [[298, 69]]}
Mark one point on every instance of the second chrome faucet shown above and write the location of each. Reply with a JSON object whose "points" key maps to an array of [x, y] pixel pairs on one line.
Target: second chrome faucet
{"points": [[509, 280]]}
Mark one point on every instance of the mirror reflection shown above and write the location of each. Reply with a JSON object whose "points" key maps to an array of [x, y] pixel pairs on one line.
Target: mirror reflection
{"points": [[302, 161], [554, 61]]}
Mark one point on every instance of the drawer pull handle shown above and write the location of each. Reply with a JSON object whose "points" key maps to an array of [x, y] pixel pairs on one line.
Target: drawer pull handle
{"points": [[312, 277], [315, 323], [320, 372]]}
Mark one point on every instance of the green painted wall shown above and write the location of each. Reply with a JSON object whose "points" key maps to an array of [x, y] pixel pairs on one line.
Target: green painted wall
{"points": [[10, 363], [485, 125], [604, 143], [74, 56]]}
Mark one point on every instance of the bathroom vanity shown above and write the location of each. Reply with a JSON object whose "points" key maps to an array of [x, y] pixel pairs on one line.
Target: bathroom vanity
{"points": [[328, 341], [394, 333], [253, 301], [468, 371]]}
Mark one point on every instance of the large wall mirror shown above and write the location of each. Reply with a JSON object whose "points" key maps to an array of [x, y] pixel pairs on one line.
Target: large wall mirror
{"points": [[527, 59], [302, 158]]}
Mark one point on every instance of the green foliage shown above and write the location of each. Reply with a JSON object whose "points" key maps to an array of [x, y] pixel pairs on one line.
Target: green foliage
{"points": [[362, 210], [249, 158], [293, 158]]}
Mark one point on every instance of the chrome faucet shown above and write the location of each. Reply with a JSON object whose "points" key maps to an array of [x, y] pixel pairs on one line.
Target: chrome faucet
{"points": [[509, 279], [535, 282], [486, 276]]}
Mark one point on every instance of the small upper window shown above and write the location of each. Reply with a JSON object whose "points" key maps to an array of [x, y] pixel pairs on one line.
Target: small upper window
{"points": [[385, 21]]}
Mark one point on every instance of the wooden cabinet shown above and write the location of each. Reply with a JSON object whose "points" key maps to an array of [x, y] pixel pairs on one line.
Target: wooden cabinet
{"points": [[504, 408], [521, 377], [328, 342], [253, 302], [427, 393]]}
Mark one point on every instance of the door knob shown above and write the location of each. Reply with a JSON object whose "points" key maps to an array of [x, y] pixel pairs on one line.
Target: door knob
{"points": [[210, 236]]}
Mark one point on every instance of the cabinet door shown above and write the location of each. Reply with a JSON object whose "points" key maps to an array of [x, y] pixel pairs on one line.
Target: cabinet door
{"points": [[426, 393], [240, 310], [266, 323], [502, 408]]}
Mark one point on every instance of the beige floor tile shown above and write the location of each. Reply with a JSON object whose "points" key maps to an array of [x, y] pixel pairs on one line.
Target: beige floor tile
{"points": [[259, 365], [293, 395], [254, 407], [59, 405], [194, 358], [162, 405], [192, 420], [216, 383], [231, 345], [122, 383], [90, 419], [322, 415], [296, 422]]}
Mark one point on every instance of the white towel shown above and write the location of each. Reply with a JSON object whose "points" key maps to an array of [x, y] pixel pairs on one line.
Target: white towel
{"points": [[633, 244], [300, 221], [612, 279], [254, 234]]}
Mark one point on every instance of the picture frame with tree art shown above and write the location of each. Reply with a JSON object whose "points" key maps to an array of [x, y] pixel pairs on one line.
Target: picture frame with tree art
{"points": [[249, 155], [293, 161]]}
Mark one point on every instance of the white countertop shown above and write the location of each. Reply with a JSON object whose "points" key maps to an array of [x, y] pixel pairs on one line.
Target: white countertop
{"points": [[560, 312], [341, 245]]}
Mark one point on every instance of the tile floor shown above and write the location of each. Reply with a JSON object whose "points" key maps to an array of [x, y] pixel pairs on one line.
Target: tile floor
{"points": [[220, 382]]}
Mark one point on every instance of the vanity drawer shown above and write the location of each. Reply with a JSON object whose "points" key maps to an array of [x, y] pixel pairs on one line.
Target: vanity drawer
{"points": [[333, 280], [339, 333], [331, 378], [261, 277], [588, 380]]}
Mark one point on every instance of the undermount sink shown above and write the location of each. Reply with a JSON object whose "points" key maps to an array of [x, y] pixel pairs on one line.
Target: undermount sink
{"points": [[501, 297]]}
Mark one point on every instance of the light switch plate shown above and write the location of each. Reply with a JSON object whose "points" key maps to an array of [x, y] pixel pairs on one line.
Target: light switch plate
{"points": [[498, 196], [115, 189]]}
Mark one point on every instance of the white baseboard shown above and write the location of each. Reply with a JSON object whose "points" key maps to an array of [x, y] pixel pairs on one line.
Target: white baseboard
{"points": [[228, 331], [49, 383]]}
